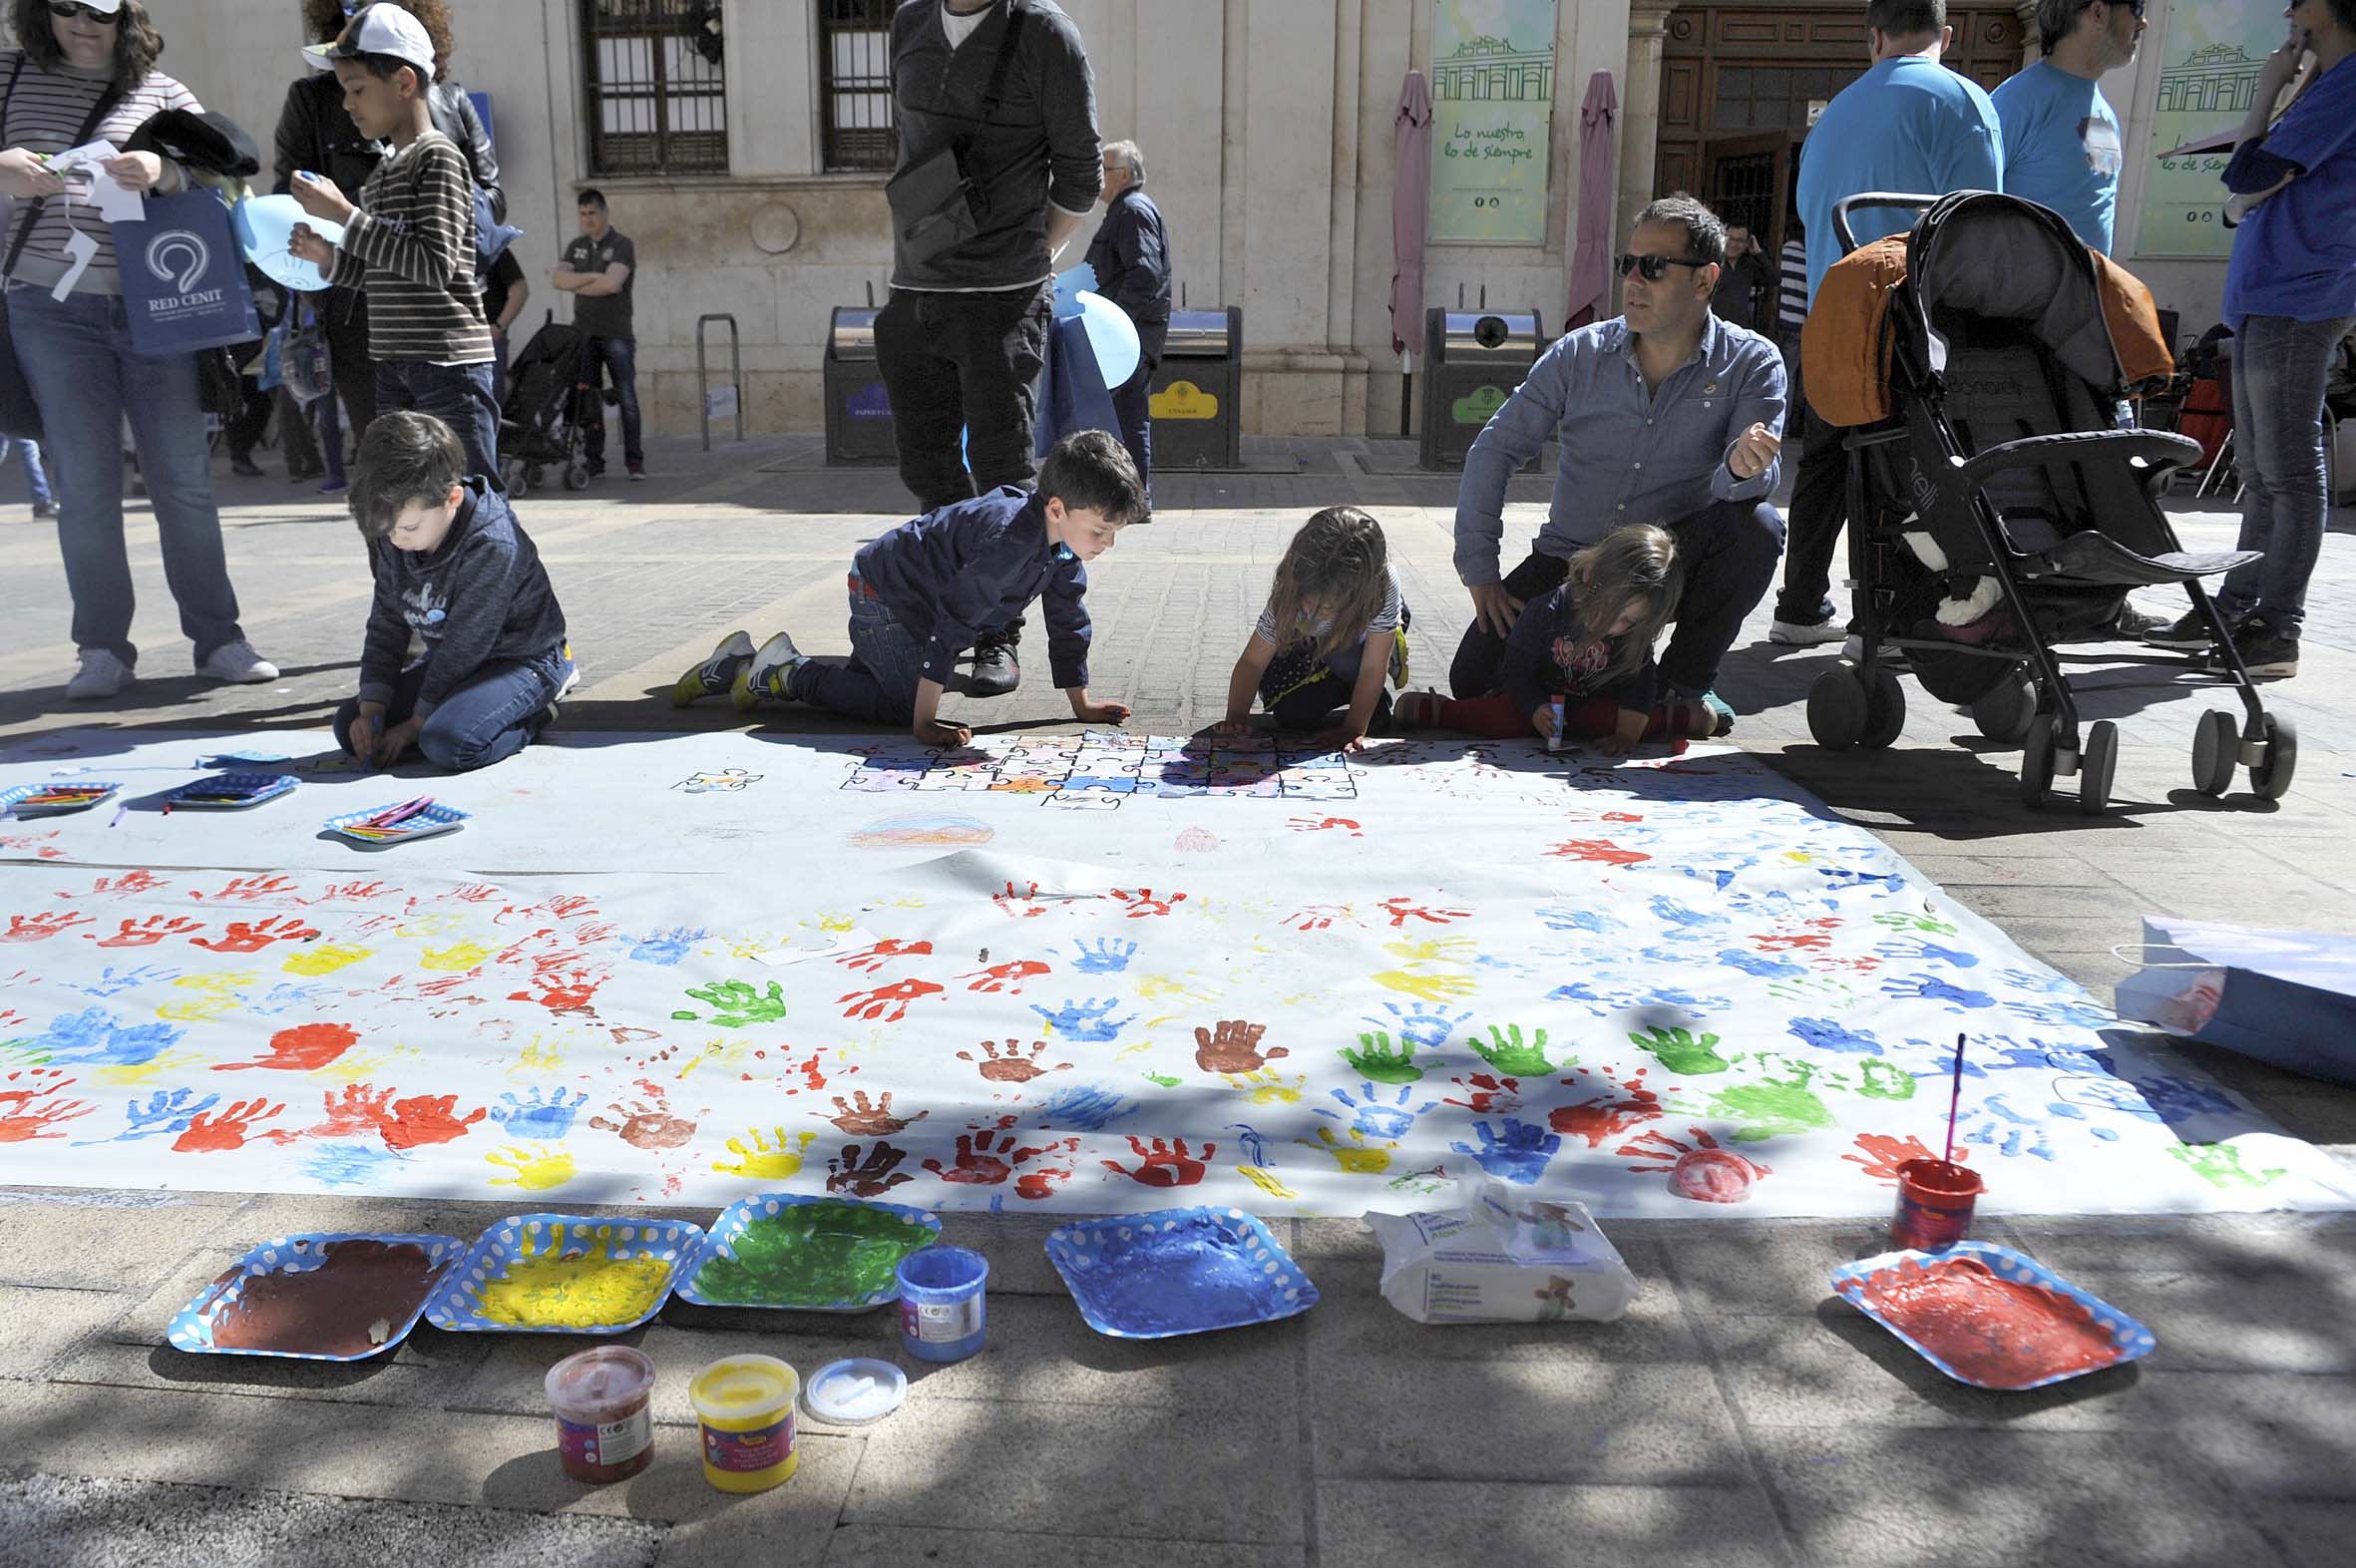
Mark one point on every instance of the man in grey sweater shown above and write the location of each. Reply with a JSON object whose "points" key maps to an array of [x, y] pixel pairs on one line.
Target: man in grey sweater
{"points": [[962, 338]]}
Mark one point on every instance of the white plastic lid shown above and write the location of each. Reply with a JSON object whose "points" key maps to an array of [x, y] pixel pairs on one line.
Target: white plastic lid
{"points": [[854, 1392]]}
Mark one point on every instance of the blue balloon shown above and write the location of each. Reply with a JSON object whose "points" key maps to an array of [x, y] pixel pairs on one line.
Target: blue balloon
{"points": [[266, 223], [1112, 335], [1068, 284]]}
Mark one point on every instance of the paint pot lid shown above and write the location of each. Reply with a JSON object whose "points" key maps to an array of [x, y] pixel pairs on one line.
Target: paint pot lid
{"points": [[854, 1392]]}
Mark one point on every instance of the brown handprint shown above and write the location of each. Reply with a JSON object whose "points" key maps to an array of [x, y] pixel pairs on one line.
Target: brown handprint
{"points": [[424, 1119], [888, 1002], [1169, 1164], [1235, 1049], [879, 1174], [645, 1127], [869, 960], [1002, 1061], [1043, 1182], [865, 1118], [1487, 1095], [982, 1162], [146, 933], [249, 935]]}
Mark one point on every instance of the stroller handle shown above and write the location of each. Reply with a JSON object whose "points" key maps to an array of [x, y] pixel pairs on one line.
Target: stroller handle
{"points": [[1846, 205]]}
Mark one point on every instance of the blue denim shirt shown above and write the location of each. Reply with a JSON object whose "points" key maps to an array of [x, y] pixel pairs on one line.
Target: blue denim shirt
{"points": [[973, 565], [1629, 454]]}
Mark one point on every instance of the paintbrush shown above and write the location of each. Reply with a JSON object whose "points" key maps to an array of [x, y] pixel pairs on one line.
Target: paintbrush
{"points": [[1954, 1100], [400, 812]]}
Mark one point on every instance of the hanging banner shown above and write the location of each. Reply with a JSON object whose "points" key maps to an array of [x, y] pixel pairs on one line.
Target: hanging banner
{"points": [[2208, 77], [1492, 94]]}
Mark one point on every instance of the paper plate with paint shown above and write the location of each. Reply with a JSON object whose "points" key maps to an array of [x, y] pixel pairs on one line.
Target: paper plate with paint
{"points": [[807, 1254], [381, 826], [230, 791], [563, 1274], [337, 1296], [56, 799], [1992, 1317], [265, 225], [1178, 1271]]}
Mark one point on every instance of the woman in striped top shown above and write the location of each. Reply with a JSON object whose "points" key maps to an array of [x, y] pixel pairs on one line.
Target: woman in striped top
{"points": [[67, 329]]}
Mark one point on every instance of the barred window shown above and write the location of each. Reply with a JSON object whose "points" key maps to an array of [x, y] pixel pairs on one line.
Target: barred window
{"points": [[854, 85], [657, 103]]}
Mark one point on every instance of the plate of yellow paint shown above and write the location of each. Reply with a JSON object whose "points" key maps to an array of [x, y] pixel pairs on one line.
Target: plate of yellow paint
{"points": [[563, 1274]]}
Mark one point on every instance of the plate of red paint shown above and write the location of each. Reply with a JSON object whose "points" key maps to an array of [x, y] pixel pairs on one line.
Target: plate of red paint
{"points": [[1992, 1317]]}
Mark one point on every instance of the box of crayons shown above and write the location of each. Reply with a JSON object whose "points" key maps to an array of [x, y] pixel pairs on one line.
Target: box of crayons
{"points": [[411, 819], [230, 791], [55, 800]]}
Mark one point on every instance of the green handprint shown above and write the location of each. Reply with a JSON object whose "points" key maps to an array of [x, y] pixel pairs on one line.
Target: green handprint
{"points": [[1774, 1105], [1885, 1080], [735, 1003], [1894, 920], [1507, 1053], [2219, 1164], [1680, 1052], [1383, 1060]]}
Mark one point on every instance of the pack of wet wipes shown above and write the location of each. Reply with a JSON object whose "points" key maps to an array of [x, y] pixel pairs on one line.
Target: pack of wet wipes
{"points": [[1507, 1258]]}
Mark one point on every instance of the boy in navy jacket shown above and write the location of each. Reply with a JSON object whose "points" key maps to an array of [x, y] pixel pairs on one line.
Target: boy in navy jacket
{"points": [[921, 595], [453, 568]]}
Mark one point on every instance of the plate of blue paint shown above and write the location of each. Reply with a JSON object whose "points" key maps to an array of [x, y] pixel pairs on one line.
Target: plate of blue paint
{"points": [[1178, 1271], [230, 791]]}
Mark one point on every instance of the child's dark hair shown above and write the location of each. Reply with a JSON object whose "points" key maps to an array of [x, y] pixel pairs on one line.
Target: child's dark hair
{"points": [[1090, 471], [404, 457], [1341, 560], [1637, 565]]}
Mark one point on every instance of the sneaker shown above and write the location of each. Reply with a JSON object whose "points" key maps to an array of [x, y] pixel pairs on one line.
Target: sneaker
{"points": [[334, 487], [101, 674], [2189, 631], [2266, 654], [238, 664], [245, 468], [766, 673], [637, 472], [716, 673], [564, 689], [1891, 656], [1804, 634], [2133, 626], [996, 671], [1417, 709], [43, 508], [1722, 717]]}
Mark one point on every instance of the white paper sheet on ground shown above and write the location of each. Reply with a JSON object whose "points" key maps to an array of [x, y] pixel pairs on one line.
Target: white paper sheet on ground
{"points": [[1654, 987]]}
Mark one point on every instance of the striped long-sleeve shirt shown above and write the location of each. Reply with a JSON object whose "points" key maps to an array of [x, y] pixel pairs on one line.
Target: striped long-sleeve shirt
{"points": [[411, 247], [44, 114]]}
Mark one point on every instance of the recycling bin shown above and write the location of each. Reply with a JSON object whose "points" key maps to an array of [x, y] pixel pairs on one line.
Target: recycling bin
{"points": [[1195, 395], [858, 410], [1472, 361]]}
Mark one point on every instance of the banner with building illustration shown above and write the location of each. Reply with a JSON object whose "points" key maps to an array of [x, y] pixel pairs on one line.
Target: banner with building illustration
{"points": [[2209, 61], [1492, 92]]}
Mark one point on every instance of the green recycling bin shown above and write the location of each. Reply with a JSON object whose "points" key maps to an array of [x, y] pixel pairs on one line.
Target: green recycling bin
{"points": [[1472, 361]]}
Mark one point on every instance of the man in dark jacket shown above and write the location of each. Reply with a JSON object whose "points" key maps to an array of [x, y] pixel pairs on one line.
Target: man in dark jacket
{"points": [[1131, 256], [962, 338]]}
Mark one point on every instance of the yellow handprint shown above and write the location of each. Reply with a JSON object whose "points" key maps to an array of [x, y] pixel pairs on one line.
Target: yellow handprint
{"points": [[220, 996], [459, 956], [540, 1054], [1268, 1088], [1155, 987], [1437, 949], [428, 925], [1266, 1181], [359, 1066], [765, 1160], [325, 958], [147, 1072], [1426, 988], [1358, 1156], [838, 922], [536, 1168]]}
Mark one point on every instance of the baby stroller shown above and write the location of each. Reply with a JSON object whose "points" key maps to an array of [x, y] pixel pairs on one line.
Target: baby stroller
{"points": [[1998, 506], [540, 427]]}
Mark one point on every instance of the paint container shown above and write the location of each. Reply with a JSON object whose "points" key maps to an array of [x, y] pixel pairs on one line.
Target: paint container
{"points": [[1559, 741], [942, 1307], [746, 1407], [604, 1430], [1935, 1203]]}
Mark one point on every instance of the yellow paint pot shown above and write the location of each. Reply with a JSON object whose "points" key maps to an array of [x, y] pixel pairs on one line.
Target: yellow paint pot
{"points": [[746, 1407]]}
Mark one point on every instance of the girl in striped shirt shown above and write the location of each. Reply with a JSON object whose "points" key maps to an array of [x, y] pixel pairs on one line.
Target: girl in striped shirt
{"points": [[1333, 635]]}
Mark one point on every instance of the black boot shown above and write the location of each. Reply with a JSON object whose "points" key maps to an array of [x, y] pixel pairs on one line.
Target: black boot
{"points": [[995, 672]]}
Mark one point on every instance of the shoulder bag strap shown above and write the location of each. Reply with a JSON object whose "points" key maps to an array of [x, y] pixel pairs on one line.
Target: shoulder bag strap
{"points": [[99, 111], [1003, 61]]}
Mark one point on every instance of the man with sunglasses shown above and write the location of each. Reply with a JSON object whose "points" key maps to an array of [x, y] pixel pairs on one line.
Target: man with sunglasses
{"points": [[1666, 415], [2061, 136]]}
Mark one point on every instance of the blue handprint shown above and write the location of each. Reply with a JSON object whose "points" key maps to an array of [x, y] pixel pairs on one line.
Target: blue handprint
{"points": [[1837, 880], [1576, 990], [166, 1112], [1679, 997], [2050, 984], [1088, 1020], [544, 1115], [2176, 1100], [287, 995], [1825, 1035], [1519, 1156], [1085, 1107], [2023, 1136], [113, 982], [1563, 917], [1422, 1024], [2083, 1015], [1667, 908], [1931, 989], [1376, 1114], [1108, 957], [1929, 951], [2036, 1056], [95, 1037], [1764, 966], [349, 1164], [669, 947]]}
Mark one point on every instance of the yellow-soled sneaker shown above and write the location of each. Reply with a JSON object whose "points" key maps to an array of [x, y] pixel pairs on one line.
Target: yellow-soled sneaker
{"points": [[716, 673], [764, 675]]}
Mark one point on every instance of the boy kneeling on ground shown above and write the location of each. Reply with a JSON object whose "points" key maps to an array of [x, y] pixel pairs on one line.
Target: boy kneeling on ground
{"points": [[453, 566]]}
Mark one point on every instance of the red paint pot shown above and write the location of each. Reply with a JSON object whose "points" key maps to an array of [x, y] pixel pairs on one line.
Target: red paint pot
{"points": [[605, 1430], [1935, 1203]]}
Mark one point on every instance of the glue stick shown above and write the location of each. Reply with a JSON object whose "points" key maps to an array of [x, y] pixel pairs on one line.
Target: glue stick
{"points": [[1557, 741]]}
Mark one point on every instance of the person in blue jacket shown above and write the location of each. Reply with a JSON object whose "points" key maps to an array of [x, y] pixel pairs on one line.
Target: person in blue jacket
{"points": [[1132, 258]]}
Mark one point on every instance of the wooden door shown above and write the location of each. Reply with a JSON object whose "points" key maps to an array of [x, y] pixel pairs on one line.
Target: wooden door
{"points": [[1744, 180]]}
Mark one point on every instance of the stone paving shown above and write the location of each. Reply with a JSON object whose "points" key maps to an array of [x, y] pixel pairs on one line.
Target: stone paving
{"points": [[1739, 1415]]}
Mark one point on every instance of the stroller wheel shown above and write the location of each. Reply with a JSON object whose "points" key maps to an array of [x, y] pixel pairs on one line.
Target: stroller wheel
{"points": [[2037, 760], [2217, 748], [1886, 711], [1838, 709], [2277, 760], [2097, 765], [2004, 714], [576, 477]]}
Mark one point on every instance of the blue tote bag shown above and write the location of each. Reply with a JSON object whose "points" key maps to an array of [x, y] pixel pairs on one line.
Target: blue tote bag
{"points": [[184, 277]]}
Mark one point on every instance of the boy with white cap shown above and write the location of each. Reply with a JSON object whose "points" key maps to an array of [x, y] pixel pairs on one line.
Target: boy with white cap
{"points": [[409, 242]]}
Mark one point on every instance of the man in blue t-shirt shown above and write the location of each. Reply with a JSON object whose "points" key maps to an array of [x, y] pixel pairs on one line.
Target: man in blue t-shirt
{"points": [[1908, 124], [2061, 138]]}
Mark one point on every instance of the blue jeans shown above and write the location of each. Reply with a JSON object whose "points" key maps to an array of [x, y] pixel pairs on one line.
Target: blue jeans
{"points": [[487, 719], [618, 357], [459, 396], [2279, 367], [879, 685], [77, 358], [29, 453]]}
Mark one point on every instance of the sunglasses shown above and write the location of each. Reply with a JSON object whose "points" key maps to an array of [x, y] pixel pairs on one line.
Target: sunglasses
{"points": [[68, 10], [1656, 269]]}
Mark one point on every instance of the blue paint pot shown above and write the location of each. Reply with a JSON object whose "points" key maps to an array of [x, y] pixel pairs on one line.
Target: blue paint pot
{"points": [[942, 1306]]}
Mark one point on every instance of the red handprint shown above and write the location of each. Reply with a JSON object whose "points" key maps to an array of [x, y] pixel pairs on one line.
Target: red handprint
{"points": [[303, 1048], [1017, 906], [23, 1121], [982, 1162], [869, 960], [130, 882], [208, 1134], [1324, 824], [1767, 944], [1169, 1164], [1141, 902], [1402, 910], [244, 935], [1880, 1155], [1008, 976], [561, 991], [424, 1119], [361, 1108], [473, 893], [1603, 851], [1043, 1181], [146, 933], [40, 927], [1605, 1115], [1487, 1095], [1002, 1061], [874, 1177], [251, 887], [888, 1002], [866, 1118], [355, 891], [1234, 1048], [1318, 917]]}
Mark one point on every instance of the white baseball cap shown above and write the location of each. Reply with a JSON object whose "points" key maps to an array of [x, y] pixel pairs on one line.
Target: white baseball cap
{"points": [[103, 7], [379, 29]]}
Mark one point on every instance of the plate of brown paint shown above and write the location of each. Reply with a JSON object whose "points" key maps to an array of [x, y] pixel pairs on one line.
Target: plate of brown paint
{"points": [[337, 1296], [807, 1254]]}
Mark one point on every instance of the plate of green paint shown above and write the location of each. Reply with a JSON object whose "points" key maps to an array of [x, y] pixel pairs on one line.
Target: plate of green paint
{"points": [[806, 1254]]}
